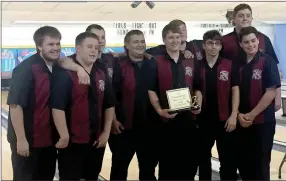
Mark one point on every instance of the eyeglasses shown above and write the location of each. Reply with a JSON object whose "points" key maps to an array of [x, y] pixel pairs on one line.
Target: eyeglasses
{"points": [[211, 43]]}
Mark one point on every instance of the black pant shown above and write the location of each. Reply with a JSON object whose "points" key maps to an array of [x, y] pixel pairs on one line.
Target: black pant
{"points": [[39, 165], [178, 149], [209, 132], [255, 146], [123, 148], [80, 160]]}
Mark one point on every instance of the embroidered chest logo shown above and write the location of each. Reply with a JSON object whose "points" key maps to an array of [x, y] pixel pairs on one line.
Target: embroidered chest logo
{"points": [[189, 71], [256, 74], [199, 56], [101, 85], [110, 72], [223, 75]]}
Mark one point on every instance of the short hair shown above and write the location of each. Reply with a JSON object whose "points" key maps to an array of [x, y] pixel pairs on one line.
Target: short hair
{"points": [[212, 35], [241, 7], [246, 31], [82, 36], [177, 22], [44, 31], [131, 33], [170, 28], [94, 26]]}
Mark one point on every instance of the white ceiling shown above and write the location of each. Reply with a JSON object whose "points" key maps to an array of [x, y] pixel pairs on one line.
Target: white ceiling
{"points": [[122, 11]]}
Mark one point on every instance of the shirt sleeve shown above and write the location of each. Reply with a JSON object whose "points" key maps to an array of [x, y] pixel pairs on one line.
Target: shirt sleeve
{"points": [[197, 80], [195, 46], [235, 76], [158, 50], [152, 75], [109, 99], [61, 89], [270, 74], [269, 50], [21, 84]]}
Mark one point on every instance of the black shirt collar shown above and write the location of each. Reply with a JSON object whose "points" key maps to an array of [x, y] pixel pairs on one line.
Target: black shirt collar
{"points": [[102, 59], [219, 59], [234, 32], [41, 60], [167, 57], [255, 58], [128, 59]]}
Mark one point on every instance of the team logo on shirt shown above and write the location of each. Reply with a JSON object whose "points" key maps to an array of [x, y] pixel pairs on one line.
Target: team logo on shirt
{"points": [[189, 71], [110, 72], [199, 55], [256, 74], [101, 85], [223, 75]]}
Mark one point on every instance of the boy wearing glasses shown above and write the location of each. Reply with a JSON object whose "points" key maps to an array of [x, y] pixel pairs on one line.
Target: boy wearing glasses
{"points": [[219, 79]]}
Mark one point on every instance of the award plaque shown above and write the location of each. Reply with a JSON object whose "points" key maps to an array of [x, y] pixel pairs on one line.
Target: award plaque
{"points": [[181, 100]]}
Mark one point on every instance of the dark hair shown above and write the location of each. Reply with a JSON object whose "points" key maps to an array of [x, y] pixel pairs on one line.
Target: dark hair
{"points": [[170, 28], [246, 31], [212, 35], [94, 26], [50, 31], [131, 33], [241, 7], [82, 36], [177, 22]]}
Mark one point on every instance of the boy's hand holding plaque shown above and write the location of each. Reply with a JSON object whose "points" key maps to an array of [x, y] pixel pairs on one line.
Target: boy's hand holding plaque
{"points": [[181, 100]]}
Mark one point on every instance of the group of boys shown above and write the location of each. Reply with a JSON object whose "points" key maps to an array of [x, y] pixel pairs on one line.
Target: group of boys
{"points": [[67, 110]]}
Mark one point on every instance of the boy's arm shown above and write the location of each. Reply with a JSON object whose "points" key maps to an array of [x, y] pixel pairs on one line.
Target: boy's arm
{"points": [[68, 64]]}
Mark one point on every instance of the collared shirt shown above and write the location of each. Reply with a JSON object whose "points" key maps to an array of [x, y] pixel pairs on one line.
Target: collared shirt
{"points": [[84, 105], [133, 100], [30, 88], [256, 76], [166, 74], [213, 79]]}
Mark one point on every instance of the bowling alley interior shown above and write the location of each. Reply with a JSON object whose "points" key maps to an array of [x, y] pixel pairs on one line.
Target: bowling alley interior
{"points": [[20, 20]]}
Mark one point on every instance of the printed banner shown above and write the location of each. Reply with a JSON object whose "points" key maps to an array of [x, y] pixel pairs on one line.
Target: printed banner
{"points": [[8, 61], [113, 49], [24, 53], [67, 52]]}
